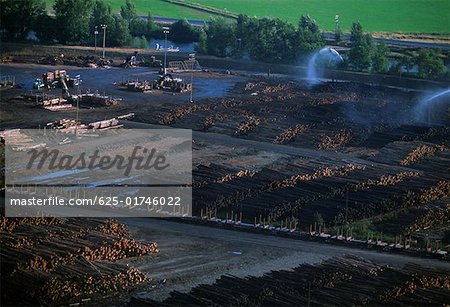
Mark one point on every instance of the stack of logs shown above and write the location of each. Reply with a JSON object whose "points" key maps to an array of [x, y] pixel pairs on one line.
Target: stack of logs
{"points": [[61, 261], [340, 139], [179, 113], [290, 133], [251, 123], [421, 152], [337, 281]]}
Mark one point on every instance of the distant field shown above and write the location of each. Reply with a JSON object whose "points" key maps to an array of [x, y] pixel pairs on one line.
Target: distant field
{"points": [[375, 15], [419, 16], [156, 7]]}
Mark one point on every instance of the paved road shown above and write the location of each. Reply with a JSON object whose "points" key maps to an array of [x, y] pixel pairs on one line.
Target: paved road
{"points": [[397, 42], [165, 20]]}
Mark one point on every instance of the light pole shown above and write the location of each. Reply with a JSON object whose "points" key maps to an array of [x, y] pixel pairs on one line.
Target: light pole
{"points": [[104, 38], [78, 78], [337, 30], [192, 59], [95, 36], [166, 31], [240, 45]]}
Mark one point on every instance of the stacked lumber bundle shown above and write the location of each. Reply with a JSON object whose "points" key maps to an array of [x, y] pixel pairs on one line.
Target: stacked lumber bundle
{"points": [[126, 116], [337, 281], [103, 124], [65, 260], [18, 140], [56, 104], [60, 107], [53, 101]]}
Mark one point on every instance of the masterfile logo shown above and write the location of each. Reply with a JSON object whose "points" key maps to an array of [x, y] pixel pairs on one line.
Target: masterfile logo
{"points": [[119, 172], [141, 158]]}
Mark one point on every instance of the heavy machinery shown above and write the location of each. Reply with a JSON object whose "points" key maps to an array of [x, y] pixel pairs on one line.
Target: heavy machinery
{"points": [[165, 82], [168, 82], [152, 62], [130, 61], [55, 79]]}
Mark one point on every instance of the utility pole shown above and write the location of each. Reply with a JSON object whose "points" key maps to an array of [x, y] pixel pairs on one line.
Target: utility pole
{"points": [[104, 38], [192, 59], [166, 31], [95, 39]]}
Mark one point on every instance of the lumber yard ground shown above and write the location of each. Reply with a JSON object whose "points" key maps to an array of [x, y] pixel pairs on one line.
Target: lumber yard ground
{"points": [[275, 150]]}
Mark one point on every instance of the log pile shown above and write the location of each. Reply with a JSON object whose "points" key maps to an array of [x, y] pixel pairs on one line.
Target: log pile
{"points": [[339, 139], [65, 260], [337, 194], [102, 280], [337, 115], [411, 199], [179, 113], [81, 61], [65, 123], [211, 120], [276, 88], [439, 191], [421, 152], [290, 133], [251, 123], [337, 281], [325, 172], [241, 173], [433, 216]]}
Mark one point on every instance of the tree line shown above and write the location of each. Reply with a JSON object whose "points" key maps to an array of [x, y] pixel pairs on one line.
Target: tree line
{"points": [[263, 39], [75, 21]]}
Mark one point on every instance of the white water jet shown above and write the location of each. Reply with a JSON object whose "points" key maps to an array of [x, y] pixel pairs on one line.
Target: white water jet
{"points": [[327, 57], [428, 108]]}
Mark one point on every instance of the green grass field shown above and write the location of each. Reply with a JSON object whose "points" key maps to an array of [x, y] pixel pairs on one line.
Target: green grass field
{"points": [[428, 16], [409, 16], [156, 7]]}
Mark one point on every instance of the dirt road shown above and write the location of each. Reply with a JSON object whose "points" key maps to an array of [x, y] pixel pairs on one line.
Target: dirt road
{"points": [[192, 255]]}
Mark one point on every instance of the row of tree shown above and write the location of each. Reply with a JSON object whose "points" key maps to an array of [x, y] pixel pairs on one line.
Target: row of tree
{"points": [[262, 39], [364, 55], [75, 21]]}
